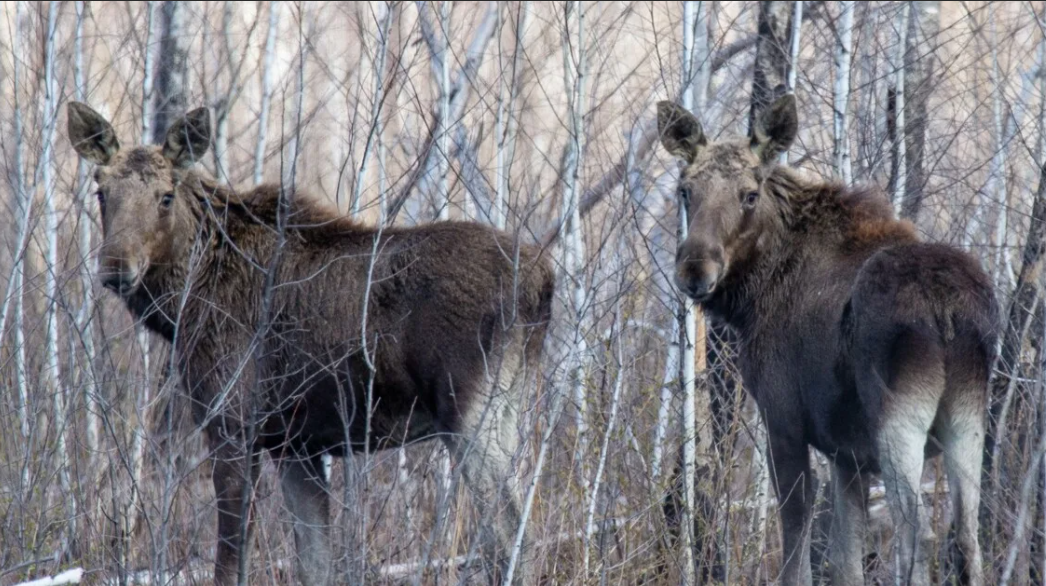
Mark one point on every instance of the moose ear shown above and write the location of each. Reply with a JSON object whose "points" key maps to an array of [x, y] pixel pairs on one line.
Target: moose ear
{"points": [[91, 134], [775, 129], [188, 138], [680, 131]]}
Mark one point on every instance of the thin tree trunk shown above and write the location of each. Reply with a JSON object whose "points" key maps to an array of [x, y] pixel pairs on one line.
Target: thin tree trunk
{"points": [[1019, 317], [147, 76], [52, 370], [84, 317], [169, 93], [669, 380], [443, 130], [293, 151], [377, 97], [697, 448], [900, 126], [843, 58], [573, 251], [225, 103], [25, 203], [793, 57], [919, 66], [507, 121], [794, 40], [997, 167], [266, 91]]}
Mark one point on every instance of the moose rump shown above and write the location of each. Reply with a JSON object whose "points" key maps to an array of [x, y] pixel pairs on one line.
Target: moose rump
{"points": [[855, 338], [299, 332]]}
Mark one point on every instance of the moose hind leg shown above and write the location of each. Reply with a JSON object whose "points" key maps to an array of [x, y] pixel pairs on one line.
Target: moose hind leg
{"points": [[305, 494], [961, 432], [485, 446], [910, 405]]}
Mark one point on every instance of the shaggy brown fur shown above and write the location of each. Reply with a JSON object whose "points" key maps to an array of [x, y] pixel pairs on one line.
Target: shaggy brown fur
{"points": [[301, 332], [855, 338]]}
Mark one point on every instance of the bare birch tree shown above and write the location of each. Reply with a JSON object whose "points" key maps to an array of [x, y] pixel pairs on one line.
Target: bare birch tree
{"points": [[573, 279], [169, 95], [53, 375], [920, 77], [266, 91], [85, 317], [506, 119], [997, 166], [899, 177], [843, 59]]}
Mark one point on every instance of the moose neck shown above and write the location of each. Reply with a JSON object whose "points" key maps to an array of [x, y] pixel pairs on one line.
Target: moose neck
{"points": [[753, 275]]}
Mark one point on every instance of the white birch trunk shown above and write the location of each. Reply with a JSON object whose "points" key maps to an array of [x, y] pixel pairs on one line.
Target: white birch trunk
{"points": [[25, 200], [670, 379], [1041, 161], [574, 66], [266, 91], [700, 58], [377, 97], [843, 58], [443, 130], [84, 323], [171, 85], [793, 57], [52, 369], [147, 76], [225, 102], [506, 121], [997, 168], [689, 316], [291, 156], [901, 145]]}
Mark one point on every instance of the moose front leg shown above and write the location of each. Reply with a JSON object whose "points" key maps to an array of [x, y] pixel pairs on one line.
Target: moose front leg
{"points": [[790, 469], [233, 477], [305, 493]]}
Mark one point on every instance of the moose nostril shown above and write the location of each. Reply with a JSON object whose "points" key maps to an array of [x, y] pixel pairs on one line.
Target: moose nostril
{"points": [[113, 282]]}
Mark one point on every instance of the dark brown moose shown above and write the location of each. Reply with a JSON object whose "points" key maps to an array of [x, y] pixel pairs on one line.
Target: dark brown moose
{"points": [[301, 333], [854, 338]]}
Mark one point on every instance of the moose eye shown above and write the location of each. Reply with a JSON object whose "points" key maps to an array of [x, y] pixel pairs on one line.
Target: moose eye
{"points": [[749, 199], [166, 200]]}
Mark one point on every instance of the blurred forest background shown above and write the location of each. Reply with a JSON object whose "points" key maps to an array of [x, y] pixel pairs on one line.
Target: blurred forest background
{"points": [[539, 118]]}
